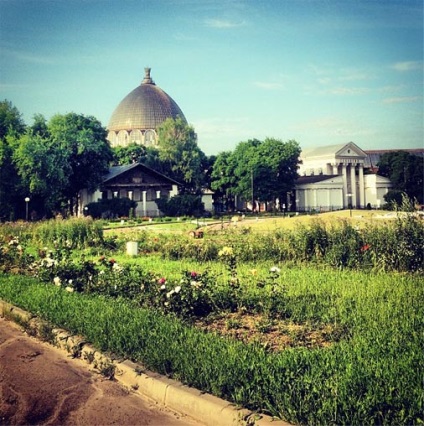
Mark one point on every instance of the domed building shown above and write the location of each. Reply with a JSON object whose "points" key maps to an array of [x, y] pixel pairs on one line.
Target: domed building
{"points": [[140, 113]]}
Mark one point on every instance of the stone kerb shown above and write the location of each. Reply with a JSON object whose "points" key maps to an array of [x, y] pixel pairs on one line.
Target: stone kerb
{"points": [[207, 409]]}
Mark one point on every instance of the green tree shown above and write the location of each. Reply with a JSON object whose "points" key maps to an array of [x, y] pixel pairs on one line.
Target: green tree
{"points": [[87, 153], [11, 191], [405, 171], [58, 162], [40, 167], [39, 126], [223, 180], [179, 151], [132, 153], [11, 121], [181, 205], [257, 171]]}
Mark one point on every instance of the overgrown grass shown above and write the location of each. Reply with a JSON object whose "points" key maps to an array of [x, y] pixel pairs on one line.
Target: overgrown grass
{"points": [[330, 274], [372, 377], [74, 232]]}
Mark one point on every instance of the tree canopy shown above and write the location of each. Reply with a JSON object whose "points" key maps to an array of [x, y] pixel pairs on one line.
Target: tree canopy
{"points": [[257, 170], [51, 161], [405, 171], [179, 151], [11, 192]]}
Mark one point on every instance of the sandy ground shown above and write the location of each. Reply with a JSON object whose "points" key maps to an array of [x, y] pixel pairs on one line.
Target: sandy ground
{"points": [[40, 384]]}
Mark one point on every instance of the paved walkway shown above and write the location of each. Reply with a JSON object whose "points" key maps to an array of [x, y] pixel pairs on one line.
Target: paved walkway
{"points": [[39, 384]]}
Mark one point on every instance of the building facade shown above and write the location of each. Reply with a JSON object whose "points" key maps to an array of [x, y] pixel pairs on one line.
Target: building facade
{"points": [[136, 182], [338, 177]]}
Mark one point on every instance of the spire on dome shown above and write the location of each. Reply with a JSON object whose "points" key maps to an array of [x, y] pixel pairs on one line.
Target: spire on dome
{"points": [[147, 79]]}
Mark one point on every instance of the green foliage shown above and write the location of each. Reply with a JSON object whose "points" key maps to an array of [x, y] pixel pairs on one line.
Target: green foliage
{"points": [[267, 168], [71, 233], [57, 160], [110, 208], [11, 192], [181, 205], [179, 150], [405, 171], [373, 377], [11, 122], [133, 153]]}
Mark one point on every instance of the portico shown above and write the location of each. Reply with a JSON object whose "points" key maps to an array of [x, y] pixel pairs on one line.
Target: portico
{"points": [[333, 177]]}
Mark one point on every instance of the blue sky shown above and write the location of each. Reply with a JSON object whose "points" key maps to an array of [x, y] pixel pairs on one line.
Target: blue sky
{"points": [[318, 71]]}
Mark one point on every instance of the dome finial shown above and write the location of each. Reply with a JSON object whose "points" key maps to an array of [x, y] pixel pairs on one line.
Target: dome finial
{"points": [[147, 79]]}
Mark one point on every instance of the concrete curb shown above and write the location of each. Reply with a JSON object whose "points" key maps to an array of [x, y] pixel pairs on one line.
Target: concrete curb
{"points": [[205, 408]]}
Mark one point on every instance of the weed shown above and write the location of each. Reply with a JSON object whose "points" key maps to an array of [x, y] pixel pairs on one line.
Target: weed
{"points": [[106, 368], [89, 356]]}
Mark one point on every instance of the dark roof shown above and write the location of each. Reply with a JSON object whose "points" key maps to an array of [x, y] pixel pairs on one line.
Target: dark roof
{"points": [[146, 107], [115, 171], [373, 156]]}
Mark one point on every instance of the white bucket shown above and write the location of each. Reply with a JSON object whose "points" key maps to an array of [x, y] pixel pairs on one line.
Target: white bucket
{"points": [[132, 248]]}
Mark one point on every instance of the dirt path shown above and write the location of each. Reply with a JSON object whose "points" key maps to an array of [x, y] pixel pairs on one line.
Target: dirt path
{"points": [[39, 384]]}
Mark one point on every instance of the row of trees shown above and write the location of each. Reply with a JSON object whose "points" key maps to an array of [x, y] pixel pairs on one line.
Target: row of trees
{"points": [[52, 161], [49, 162]]}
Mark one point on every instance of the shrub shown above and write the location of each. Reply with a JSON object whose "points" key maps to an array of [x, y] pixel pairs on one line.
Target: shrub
{"points": [[110, 208], [181, 205]]}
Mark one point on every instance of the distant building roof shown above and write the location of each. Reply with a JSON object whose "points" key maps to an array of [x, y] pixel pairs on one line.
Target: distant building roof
{"points": [[115, 171], [374, 155]]}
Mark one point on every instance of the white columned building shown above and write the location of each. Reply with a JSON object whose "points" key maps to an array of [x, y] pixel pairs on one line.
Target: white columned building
{"points": [[336, 177]]}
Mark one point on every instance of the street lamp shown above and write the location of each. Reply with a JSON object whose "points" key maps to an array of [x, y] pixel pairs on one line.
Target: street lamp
{"points": [[253, 196], [27, 202], [349, 197]]}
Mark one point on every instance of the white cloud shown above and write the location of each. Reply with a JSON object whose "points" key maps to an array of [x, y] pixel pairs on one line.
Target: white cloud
{"points": [[223, 23], [332, 126], [401, 99], [407, 66], [26, 57], [350, 91]]}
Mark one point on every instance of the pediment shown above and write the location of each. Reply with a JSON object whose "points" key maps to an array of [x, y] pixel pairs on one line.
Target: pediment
{"points": [[350, 150]]}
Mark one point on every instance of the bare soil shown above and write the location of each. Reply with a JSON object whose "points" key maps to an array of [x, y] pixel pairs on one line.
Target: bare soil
{"points": [[274, 334], [40, 384]]}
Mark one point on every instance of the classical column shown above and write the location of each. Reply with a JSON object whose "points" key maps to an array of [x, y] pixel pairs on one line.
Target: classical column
{"points": [[353, 185], [144, 203], [345, 200], [361, 187]]}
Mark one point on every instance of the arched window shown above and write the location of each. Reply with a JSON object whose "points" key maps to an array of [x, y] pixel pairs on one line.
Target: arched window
{"points": [[123, 138], [150, 138], [136, 136]]}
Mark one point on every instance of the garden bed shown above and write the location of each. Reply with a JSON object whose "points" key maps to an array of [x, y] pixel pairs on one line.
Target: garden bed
{"points": [[263, 321]]}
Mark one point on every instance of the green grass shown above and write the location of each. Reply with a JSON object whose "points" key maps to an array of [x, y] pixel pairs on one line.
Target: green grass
{"points": [[370, 373], [373, 376]]}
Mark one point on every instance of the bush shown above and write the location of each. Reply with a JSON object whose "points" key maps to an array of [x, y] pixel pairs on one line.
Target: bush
{"points": [[181, 205], [110, 208]]}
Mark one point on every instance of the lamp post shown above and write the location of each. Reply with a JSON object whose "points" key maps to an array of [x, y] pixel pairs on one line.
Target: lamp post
{"points": [[349, 198], [26, 210], [253, 196]]}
